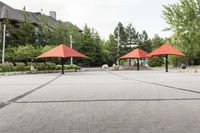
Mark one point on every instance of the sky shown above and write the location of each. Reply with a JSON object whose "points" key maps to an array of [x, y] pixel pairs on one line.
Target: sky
{"points": [[104, 15]]}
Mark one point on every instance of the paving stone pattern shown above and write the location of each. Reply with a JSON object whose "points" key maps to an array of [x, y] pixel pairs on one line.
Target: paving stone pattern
{"points": [[101, 102]]}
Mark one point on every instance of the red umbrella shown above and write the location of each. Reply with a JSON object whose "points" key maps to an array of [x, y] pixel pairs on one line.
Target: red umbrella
{"points": [[62, 51], [165, 49], [136, 53]]}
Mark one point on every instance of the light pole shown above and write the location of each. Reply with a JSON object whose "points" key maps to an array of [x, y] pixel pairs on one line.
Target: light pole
{"points": [[4, 41], [118, 44], [71, 58]]}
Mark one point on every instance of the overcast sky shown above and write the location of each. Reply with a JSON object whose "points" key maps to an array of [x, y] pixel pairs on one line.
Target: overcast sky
{"points": [[103, 15]]}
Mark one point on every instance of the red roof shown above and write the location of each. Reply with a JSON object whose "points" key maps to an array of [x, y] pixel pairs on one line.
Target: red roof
{"points": [[136, 53], [165, 49], [62, 51]]}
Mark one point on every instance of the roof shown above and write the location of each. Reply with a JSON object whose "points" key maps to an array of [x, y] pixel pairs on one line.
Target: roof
{"points": [[35, 17], [165, 49], [61, 51], [15, 14], [136, 53]]}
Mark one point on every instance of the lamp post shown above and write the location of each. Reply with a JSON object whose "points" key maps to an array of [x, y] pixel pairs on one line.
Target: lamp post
{"points": [[118, 44], [4, 41], [71, 58]]}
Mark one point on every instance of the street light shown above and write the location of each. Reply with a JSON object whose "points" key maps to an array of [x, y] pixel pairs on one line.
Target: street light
{"points": [[71, 58], [118, 44], [4, 41]]}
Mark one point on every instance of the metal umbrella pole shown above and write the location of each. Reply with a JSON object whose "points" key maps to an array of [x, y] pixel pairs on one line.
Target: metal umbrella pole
{"points": [[166, 64]]}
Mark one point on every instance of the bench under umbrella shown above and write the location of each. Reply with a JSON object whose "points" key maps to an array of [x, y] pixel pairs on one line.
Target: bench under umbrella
{"points": [[165, 49], [62, 51], [137, 54]]}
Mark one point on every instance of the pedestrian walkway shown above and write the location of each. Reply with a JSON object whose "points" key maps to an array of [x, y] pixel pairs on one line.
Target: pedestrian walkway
{"points": [[100, 102]]}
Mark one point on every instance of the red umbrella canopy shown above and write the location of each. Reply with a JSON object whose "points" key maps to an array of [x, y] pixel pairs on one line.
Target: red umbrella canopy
{"points": [[165, 49], [62, 51], [136, 53]]}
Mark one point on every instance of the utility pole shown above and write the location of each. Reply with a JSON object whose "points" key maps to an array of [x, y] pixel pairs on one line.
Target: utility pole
{"points": [[71, 58], [118, 44], [4, 41]]}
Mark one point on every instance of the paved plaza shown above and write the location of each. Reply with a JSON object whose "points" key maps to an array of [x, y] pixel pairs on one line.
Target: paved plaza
{"points": [[101, 102]]}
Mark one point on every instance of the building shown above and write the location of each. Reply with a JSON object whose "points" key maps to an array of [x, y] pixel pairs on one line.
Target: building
{"points": [[15, 16]]}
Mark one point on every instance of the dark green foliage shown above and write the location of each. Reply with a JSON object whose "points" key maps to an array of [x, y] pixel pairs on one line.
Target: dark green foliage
{"points": [[156, 42], [91, 46], [176, 61], [144, 42], [156, 61]]}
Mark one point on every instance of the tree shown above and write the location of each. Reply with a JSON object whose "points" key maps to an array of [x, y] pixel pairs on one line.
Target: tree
{"points": [[184, 20], [26, 31], [132, 37], [88, 47], [156, 42], [113, 50], [97, 42], [120, 33], [144, 42]]}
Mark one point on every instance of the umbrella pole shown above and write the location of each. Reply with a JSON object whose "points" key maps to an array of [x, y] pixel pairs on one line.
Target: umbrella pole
{"points": [[166, 64], [62, 64], [138, 64]]}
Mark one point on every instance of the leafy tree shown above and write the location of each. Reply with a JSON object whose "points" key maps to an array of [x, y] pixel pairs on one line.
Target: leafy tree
{"points": [[24, 53], [184, 20], [26, 31]]}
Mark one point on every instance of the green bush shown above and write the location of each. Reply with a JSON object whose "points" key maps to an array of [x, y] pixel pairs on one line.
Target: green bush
{"points": [[155, 61], [7, 67], [72, 67], [76, 67], [20, 66], [176, 61], [58, 67], [51, 66], [40, 66]]}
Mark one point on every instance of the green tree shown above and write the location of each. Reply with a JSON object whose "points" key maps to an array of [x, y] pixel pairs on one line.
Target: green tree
{"points": [[88, 47], [97, 43], [26, 31], [156, 42], [144, 42], [132, 37], [121, 34], [184, 20], [112, 49]]}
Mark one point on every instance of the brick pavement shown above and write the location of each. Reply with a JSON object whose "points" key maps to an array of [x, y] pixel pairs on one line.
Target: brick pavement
{"points": [[102, 102]]}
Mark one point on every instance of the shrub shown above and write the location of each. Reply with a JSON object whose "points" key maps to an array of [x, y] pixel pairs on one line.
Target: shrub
{"points": [[58, 67], [7, 67], [40, 66], [176, 61], [72, 67], [156, 61], [20, 66], [51, 66]]}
